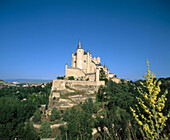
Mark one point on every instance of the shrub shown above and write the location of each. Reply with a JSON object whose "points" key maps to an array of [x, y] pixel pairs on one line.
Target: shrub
{"points": [[149, 111], [37, 116], [29, 132], [60, 77], [71, 78], [54, 114], [45, 130]]}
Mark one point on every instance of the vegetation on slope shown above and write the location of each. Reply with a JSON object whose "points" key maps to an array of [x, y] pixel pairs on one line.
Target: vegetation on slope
{"points": [[110, 115]]}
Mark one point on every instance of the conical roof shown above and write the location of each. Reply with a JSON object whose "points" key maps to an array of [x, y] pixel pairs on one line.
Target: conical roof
{"points": [[79, 45]]}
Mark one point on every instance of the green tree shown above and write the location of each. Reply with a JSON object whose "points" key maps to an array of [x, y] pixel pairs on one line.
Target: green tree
{"points": [[13, 114], [66, 115], [101, 94], [149, 111], [88, 106], [79, 121], [37, 116], [54, 114], [102, 75], [29, 132], [60, 77], [71, 78], [116, 114], [63, 131], [45, 130]]}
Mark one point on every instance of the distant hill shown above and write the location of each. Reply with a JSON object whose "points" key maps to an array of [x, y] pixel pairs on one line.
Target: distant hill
{"points": [[4, 83], [28, 80]]}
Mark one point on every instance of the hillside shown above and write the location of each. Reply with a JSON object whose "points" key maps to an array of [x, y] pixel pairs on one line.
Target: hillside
{"points": [[76, 113], [4, 83]]}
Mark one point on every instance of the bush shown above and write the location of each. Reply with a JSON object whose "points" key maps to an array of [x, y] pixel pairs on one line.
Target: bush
{"points": [[29, 132], [61, 77], [37, 116], [71, 78], [45, 130], [54, 114], [66, 115]]}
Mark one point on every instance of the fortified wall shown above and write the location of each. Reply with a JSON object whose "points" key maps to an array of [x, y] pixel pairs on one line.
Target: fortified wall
{"points": [[78, 85], [61, 88]]}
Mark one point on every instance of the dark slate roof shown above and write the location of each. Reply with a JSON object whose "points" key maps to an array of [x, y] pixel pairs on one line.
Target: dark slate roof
{"points": [[97, 64], [93, 62]]}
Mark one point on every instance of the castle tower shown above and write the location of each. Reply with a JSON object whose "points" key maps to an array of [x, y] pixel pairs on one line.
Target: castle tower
{"points": [[97, 74], [66, 66], [88, 62], [73, 60], [98, 60], [80, 54]]}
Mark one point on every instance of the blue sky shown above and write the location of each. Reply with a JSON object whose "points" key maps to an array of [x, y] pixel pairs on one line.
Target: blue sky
{"points": [[37, 37]]}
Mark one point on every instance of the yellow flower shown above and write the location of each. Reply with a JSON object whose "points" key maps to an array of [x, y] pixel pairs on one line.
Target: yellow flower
{"points": [[160, 114], [140, 122], [157, 125]]}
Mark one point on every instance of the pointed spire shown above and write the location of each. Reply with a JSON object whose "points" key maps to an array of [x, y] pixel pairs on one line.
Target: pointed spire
{"points": [[104, 65], [79, 45]]}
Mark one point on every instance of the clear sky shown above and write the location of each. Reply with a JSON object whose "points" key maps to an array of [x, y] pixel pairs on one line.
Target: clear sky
{"points": [[37, 37]]}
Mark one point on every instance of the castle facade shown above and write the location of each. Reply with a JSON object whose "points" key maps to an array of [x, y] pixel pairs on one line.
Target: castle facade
{"points": [[84, 66]]}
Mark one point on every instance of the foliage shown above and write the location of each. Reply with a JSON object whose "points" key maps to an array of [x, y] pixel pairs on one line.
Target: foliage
{"points": [[45, 130], [116, 99], [101, 94], [149, 112], [79, 121], [37, 116], [102, 75], [37, 95], [54, 114], [122, 80], [88, 106], [60, 77], [63, 131], [29, 132], [66, 115], [87, 79], [13, 114], [71, 78]]}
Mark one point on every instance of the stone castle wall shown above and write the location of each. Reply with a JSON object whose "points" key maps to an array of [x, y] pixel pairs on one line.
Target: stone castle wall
{"points": [[79, 85], [91, 76], [75, 72]]}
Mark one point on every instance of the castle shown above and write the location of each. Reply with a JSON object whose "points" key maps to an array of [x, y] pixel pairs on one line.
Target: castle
{"points": [[86, 71], [85, 67]]}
